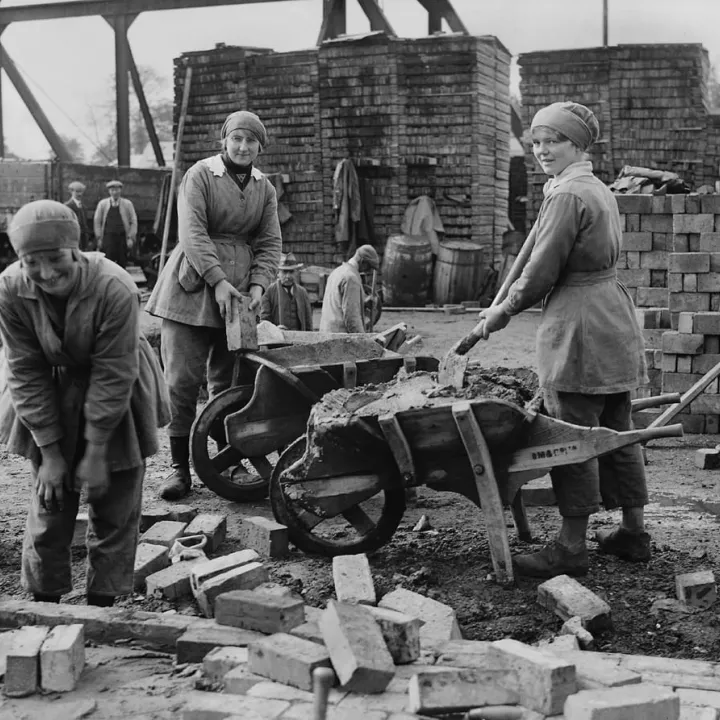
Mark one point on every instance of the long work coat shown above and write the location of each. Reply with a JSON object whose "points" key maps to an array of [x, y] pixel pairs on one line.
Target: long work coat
{"points": [[99, 378], [342, 308], [589, 340], [224, 233], [276, 305]]}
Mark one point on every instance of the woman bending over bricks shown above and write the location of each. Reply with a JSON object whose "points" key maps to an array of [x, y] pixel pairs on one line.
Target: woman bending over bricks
{"points": [[81, 396], [589, 345]]}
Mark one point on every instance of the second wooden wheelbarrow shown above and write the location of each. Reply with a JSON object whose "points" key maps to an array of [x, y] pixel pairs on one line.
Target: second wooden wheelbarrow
{"points": [[340, 489]]}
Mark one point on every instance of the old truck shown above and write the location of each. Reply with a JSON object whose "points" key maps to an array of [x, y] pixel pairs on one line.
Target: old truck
{"points": [[23, 181]]}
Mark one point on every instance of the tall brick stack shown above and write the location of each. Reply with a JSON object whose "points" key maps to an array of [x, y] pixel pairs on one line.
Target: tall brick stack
{"points": [[651, 101], [428, 116]]}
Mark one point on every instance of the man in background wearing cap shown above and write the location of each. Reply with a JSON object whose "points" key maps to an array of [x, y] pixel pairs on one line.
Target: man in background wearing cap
{"points": [[77, 189], [343, 302], [115, 224], [285, 303]]}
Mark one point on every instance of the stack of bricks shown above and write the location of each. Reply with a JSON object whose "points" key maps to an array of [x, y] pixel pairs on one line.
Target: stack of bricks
{"points": [[427, 116], [283, 91], [688, 353], [651, 101]]}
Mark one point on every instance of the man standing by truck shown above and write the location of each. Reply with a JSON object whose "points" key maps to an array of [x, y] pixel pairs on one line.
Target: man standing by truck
{"points": [[115, 224], [77, 189]]}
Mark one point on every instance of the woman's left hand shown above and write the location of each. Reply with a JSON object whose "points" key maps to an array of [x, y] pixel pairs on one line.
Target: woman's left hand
{"points": [[93, 473], [256, 293], [495, 319]]}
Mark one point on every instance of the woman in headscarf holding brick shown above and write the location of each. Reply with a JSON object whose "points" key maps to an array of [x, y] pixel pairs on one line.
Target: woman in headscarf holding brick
{"points": [[229, 243], [589, 345], [81, 396]]}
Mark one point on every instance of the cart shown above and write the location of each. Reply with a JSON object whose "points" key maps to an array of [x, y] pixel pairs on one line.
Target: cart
{"points": [[237, 434], [341, 488]]}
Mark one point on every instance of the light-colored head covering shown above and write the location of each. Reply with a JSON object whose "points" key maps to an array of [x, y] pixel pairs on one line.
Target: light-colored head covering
{"points": [[76, 185], [368, 254], [245, 120], [113, 183], [44, 225], [576, 122]]}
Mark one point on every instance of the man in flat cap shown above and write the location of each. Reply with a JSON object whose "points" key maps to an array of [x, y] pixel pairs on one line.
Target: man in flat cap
{"points": [[77, 189], [285, 303], [344, 299], [115, 224]]}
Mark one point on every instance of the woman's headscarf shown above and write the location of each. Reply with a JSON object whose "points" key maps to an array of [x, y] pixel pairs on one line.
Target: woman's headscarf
{"points": [[576, 122], [245, 120], [44, 225]]}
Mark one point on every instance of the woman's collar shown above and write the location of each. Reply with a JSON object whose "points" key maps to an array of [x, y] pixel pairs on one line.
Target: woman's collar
{"points": [[582, 168], [217, 166]]}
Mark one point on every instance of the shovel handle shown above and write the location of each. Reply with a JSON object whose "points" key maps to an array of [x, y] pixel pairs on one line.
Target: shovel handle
{"points": [[471, 339]]}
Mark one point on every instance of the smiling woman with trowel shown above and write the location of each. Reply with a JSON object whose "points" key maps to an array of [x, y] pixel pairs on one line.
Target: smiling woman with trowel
{"points": [[589, 344]]}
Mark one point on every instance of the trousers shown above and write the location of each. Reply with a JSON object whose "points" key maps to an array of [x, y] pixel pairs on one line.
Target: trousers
{"points": [[618, 478], [188, 353], [112, 538]]}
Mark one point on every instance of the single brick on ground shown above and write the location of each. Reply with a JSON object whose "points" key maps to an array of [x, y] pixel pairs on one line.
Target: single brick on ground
{"points": [[173, 582], [22, 664], [62, 658], [357, 648], [165, 532], [259, 611], [639, 702], [287, 659], [353, 579], [542, 682], [436, 692], [707, 458], [440, 621], [244, 577], [696, 589], [213, 527], [221, 660], [567, 598], [401, 633], [149, 559], [267, 537], [195, 643]]}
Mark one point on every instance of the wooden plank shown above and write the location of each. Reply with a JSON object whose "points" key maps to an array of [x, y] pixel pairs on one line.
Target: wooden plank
{"points": [[487, 488], [399, 447]]}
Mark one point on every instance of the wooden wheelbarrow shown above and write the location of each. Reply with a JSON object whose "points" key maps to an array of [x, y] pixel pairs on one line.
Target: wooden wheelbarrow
{"points": [[340, 489]]}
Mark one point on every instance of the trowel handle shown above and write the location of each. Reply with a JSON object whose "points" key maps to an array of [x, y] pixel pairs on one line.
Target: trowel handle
{"points": [[322, 680]]}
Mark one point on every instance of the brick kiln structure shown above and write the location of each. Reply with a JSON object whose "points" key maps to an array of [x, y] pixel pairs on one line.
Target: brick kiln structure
{"points": [[423, 116], [651, 101]]}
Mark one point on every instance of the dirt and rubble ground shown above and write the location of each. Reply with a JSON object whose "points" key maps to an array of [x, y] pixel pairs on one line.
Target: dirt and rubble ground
{"points": [[450, 563]]}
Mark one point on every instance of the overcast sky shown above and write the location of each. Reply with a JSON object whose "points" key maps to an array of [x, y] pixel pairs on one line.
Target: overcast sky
{"points": [[68, 63]]}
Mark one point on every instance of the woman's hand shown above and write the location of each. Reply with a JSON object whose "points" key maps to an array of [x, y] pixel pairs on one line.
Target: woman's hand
{"points": [[225, 295], [52, 479], [256, 293], [93, 473], [495, 319]]}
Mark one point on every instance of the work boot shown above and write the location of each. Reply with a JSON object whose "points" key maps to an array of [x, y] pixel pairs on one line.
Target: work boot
{"points": [[554, 559], [178, 483], [634, 547]]}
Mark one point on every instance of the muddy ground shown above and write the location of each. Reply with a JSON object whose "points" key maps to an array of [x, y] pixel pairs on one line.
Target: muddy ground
{"points": [[451, 563]]}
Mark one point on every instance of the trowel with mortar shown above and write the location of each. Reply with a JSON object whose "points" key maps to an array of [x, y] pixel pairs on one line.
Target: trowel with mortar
{"points": [[453, 365]]}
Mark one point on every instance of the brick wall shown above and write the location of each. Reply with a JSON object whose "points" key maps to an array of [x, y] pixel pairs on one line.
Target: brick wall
{"points": [[428, 116]]}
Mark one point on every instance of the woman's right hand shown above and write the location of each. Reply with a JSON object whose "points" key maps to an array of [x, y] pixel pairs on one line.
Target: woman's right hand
{"points": [[52, 478], [225, 295]]}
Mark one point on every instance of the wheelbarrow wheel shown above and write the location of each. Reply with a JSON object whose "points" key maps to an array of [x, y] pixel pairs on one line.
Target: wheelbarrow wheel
{"points": [[227, 472], [364, 528]]}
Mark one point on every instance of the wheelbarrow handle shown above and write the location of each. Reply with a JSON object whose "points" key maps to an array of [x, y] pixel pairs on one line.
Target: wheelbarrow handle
{"points": [[650, 402], [660, 432]]}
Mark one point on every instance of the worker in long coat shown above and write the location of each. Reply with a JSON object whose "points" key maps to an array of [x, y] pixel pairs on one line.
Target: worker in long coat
{"points": [[343, 308], [115, 224], [81, 396], [589, 345], [287, 303], [229, 243], [75, 203]]}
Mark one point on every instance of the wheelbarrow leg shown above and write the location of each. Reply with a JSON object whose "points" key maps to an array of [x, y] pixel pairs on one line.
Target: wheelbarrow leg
{"points": [[520, 516], [486, 483]]}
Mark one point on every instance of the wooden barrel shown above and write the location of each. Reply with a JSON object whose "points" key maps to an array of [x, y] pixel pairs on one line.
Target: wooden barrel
{"points": [[459, 272], [406, 271]]}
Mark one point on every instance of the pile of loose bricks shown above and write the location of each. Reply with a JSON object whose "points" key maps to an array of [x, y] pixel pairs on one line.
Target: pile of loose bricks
{"points": [[670, 264], [397, 657]]}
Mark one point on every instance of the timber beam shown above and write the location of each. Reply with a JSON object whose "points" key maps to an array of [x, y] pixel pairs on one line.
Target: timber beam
{"points": [[439, 10], [107, 8]]}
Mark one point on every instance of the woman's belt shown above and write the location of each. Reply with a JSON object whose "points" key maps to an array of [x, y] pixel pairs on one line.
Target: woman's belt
{"points": [[587, 278], [241, 239]]}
